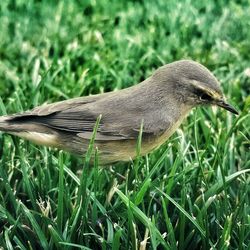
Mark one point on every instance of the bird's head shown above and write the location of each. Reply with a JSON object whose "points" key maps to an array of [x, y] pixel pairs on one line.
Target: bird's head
{"points": [[196, 85]]}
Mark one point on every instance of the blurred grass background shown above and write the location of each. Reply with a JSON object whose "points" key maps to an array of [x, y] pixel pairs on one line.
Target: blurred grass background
{"points": [[192, 193]]}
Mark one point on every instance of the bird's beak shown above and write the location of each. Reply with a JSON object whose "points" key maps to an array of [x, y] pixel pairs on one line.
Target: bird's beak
{"points": [[227, 106]]}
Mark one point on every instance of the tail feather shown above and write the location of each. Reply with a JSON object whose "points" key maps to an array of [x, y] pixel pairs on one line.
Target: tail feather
{"points": [[7, 126], [28, 130], [10, 125]]}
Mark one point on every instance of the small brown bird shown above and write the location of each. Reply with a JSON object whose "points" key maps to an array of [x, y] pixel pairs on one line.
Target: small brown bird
{"points": [[161, 102]]}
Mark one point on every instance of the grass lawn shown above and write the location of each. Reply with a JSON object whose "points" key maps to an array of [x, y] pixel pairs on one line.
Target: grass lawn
{"points": [[191, 193]]}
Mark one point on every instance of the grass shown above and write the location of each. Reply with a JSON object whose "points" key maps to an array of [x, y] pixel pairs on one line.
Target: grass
{"points": [[191, 193]]}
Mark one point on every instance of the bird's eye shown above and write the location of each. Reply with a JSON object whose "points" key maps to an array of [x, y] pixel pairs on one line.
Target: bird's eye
{"points": [[206, 97]]}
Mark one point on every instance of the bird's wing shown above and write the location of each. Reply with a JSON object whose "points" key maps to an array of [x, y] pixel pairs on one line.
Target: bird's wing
{"points": [[79, 116], [48, 109], [112, 126]]}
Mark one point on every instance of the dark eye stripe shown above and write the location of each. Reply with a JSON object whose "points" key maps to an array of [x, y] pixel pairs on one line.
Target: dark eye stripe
{"points": [[206, 97]]}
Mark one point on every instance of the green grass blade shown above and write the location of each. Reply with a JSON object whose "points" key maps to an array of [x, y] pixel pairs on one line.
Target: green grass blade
{"points": [[183, 212], [37, 229], [56, 237], [140, 194], [60, 193], [142, 217], [116, 245], [217, 187]]}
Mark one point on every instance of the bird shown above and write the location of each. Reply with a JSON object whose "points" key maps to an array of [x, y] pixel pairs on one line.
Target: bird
{"points": [[158, 105]]}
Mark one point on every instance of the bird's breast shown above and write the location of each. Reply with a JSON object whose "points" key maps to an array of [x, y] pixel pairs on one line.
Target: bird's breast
{"points": [[157, 141]]}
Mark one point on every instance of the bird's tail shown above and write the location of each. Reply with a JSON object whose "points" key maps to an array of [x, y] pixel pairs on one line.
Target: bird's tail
{"points": [[28, 130], [8, 124], [5, 124]]}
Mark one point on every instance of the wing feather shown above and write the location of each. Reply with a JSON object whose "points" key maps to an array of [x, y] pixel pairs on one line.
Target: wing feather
{"points": [[79, 116]]}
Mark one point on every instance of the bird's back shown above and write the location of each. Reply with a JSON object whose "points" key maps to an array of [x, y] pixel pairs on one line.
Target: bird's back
{"points": [[69, 124]]}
